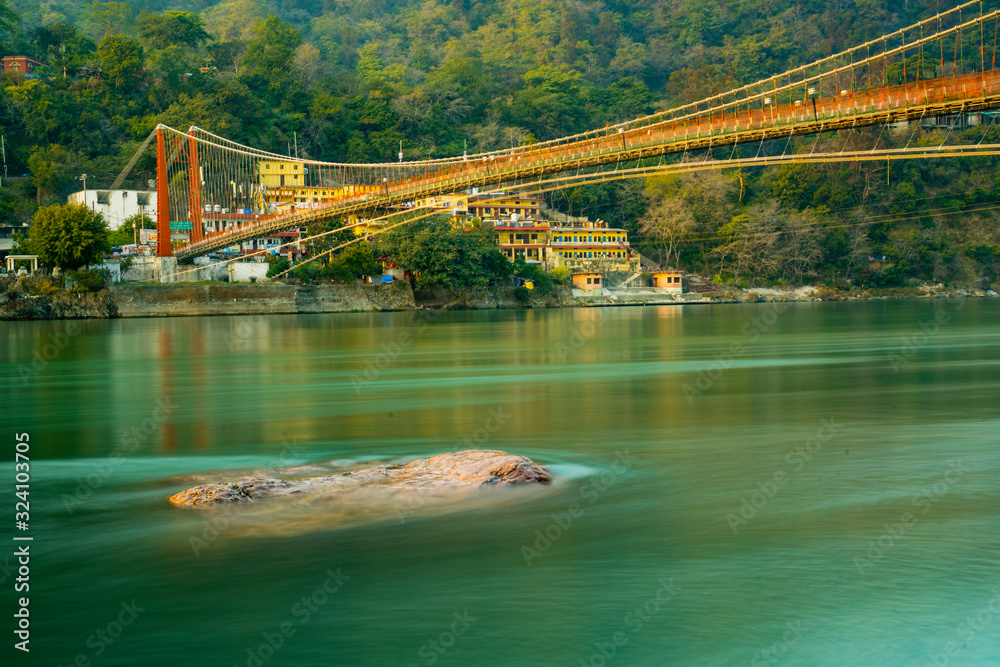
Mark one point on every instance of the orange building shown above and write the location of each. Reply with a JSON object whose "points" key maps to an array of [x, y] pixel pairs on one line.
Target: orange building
{"points": [[672, 281], [590, 281]]}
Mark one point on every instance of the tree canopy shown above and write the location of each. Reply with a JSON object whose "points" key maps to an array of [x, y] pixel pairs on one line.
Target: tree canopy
{"points": [[68, 236], [443, 255]]}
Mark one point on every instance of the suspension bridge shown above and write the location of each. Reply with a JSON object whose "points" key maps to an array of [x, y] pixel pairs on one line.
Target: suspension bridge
{"points": [[943, 66]]}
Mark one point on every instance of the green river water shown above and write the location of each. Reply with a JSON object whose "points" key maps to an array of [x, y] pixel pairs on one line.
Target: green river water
{"points": [[800, 484]]}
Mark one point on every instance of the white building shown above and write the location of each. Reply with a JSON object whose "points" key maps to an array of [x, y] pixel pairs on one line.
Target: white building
{"points": [[117, 205]]}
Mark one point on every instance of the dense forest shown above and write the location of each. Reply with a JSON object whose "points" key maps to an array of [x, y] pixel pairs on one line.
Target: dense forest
{"points": [[350, 80]]}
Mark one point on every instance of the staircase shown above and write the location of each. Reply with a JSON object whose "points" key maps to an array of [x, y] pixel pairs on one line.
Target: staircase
{"points": [[699, 284]]}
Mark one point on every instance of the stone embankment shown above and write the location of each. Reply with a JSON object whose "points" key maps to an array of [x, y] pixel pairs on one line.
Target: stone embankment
{"points": [[31, 298], [238, 299], [27, 298]]}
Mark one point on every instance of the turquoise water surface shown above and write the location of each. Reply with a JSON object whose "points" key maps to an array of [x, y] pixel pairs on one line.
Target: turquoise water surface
{"points": [[800, 484]]}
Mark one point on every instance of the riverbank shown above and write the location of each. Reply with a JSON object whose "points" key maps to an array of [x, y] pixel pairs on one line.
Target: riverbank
{"points": [[41, 299]]}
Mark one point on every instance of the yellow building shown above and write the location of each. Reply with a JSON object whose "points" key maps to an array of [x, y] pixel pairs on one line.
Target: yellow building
{"points": [[502, 207], [454, 205], [592, 246], [279, 174]]}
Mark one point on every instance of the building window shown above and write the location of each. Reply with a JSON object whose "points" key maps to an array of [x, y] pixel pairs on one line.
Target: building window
{"points": [[282, 167], [589, 281], [597, 281]]}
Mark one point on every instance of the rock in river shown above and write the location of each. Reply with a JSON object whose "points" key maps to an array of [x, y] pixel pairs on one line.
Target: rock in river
{"points": [[434, 476]]}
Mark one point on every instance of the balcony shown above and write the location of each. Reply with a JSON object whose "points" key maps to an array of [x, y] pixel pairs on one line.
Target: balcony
{"points": [[599, 244], [520, 224]]}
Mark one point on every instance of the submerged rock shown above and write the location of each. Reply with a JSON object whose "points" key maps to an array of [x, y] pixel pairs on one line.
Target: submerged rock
{"points": [[453, 470]]}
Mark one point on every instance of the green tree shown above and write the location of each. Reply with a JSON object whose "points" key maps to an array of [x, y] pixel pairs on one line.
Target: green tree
{"points": [[227, 56], [277, 264], [53, 169], [109, 18], [122, 60], [172, 28], [443, 255], [8, 19], [68, 235], [65, 47], [355, 261], [271, 56], [126, 233]]}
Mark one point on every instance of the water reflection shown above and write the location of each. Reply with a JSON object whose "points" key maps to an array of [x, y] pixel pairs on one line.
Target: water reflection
{"points": [[574, 387]]}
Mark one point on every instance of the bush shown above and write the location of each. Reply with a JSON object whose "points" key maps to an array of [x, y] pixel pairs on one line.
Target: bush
{"points": [[278, 264], [561, 275], [522, 295], [307, 273], [533, 272], [45, 287], [89, 280]]}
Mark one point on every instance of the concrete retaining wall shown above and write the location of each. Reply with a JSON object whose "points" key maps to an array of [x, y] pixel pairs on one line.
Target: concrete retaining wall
{"points": [[245, 299]]}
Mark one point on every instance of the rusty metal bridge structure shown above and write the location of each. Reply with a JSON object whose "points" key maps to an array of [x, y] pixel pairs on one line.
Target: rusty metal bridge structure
{"points": [[943, 66]]}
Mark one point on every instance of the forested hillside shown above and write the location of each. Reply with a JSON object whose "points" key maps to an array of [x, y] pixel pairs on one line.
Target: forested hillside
{"points": [[350, 80]]}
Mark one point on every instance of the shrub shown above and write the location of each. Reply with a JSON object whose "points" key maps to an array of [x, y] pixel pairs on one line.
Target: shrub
{"points": [[277, 264], [89, 280], [561, 275], [307, 272]]}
